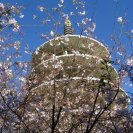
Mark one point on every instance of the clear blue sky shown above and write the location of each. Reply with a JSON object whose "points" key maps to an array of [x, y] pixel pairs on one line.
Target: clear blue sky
{"points": [[107, 12]]}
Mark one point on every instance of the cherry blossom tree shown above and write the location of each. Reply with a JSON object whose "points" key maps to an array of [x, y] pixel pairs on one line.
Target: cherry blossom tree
{"points": [[12, 71], [71, 84]]}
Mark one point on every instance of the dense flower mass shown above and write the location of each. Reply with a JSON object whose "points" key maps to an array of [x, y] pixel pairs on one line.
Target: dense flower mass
{"points": [[69, 84], [6, 17]]}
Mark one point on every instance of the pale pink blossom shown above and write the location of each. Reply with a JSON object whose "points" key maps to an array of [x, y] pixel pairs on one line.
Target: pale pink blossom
{"points": [[92, 27], [12, 21], [44, 36], [59, 5], [123, 73], [82, 13], [52, 33], [9, 58], [120, 20], [22, 79], [16, 28], [65, 16], [9, 73], [85, 20], [1, 63], [19, 64], [119, 53], [12, 7], [21, 16], [41, 8], [62, 1], [130, 61], [71, 13], [1, 6], [16, 45]]}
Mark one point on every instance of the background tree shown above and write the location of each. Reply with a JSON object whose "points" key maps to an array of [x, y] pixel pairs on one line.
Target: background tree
{"points": [[12, 71]]}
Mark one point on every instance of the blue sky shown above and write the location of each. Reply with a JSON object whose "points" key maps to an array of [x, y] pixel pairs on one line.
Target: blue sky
{"points": [[106, 14], [105, 10]]}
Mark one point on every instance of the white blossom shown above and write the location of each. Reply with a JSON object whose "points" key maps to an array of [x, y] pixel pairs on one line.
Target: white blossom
{"points": [[21, 16], [130, 61], [57, 65], [71, 13], [55, 9], [52, 33], [45, 21], [123, 73], [3, 21], [8, 73], [62, 1], [59, 5], [2, 39], [65, 16], [27, 51], [35, 17], [120, 20], [8, 58], [16, 28], [44, 36], [12, 21], [92, 27], [36, 52], [78, 24], [1, 64], [22, 79], [130, 85], [75, 52], [19, 64], [82, 13], [17, 45], [50, 43], [90, 45], [85, 20], [41, 8], [1, 6], [12, 7], [131, 30], [119, 53]]}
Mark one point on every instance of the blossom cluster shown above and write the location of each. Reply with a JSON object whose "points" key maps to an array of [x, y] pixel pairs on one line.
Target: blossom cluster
{"points": [[6, 17], [130, 61]]}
